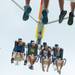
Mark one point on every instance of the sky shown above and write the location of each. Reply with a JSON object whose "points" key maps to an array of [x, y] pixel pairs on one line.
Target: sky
{"points": [[13, 27]]}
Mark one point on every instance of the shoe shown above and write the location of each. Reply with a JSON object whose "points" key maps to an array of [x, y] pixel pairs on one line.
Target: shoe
{"points": [[44, 17], [27, 11], [31, 67], [62, 15], [70, 20], [59, 72], [25, 62], [12, 60]]}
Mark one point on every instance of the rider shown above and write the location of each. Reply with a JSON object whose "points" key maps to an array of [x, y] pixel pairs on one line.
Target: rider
{"points": [[45, 51], [58, 57], [32, 51], [57, 53], [18, 47], [28, 9], [71, 14]]}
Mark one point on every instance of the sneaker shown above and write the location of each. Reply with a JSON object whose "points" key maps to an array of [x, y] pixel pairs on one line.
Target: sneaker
{"points": [[25, 62], [70, 20], [62, 15], [31, 67], [59, 72], [27, 11], [44, 17], [12, 60]]}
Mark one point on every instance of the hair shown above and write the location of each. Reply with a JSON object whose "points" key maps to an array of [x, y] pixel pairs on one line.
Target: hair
{"points": [[56, 45], [19, 38], [44, 44], [31, 41]]}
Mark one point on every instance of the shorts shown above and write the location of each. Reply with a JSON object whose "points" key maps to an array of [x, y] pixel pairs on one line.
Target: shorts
{"points": [[19, 49]]}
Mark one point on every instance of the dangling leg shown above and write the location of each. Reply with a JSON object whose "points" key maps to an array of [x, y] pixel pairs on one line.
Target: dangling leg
{"points": [[62, 63], [59, 66], [27, 10], [26, 57], [45, 12], [31, 65], [46, 3], [13, 57], [32, 61], [49, 62], [25, 61], [62, 11], [43, 65], [71, 14], [61, 5], [27, 2]]}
